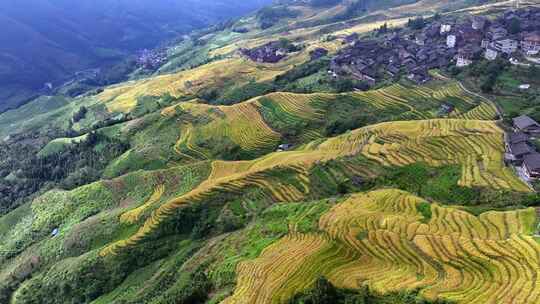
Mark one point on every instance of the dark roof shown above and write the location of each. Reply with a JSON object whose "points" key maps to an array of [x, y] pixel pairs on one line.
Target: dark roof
{"points": [[517, 137], [520, 149], [532, 161], [393, 69], [524, 121], [533, 37]]}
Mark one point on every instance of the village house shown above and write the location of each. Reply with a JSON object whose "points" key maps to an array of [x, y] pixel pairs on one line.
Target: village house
{"points": [[432, 31], [284, 147], [496, 32], [318, 53], [519, 150], [491, 53], [526, 124], [507, 46], [272, 52], [531, 43], [446, 109], [414, 53], [467, 36], [451, 41], [420, 39], [465, 56], [445, 28], [392, 70], [531, 165], [516, 145], [352, 38], [515, 138], [479, 22]]}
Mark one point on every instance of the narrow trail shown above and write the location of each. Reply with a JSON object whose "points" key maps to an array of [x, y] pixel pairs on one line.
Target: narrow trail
{"points": [[499, 111], [462, 86]]}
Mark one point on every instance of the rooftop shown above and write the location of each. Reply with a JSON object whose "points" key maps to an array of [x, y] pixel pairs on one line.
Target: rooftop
{"points": [[517, 137], [532, 161], [524, 121], [520, 149], [532, 37]]}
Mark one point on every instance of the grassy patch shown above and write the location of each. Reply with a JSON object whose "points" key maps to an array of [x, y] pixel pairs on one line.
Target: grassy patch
{"points": [[424, 208], [8, 221]]}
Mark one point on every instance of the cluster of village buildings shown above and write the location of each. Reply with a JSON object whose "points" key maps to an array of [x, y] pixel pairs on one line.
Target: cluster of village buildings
{"points": [[519, 150], [271, 52], [151, 59], [438, 45]]}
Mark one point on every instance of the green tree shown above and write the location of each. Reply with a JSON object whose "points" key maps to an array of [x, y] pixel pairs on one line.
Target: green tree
{"points": [[514, 26]]}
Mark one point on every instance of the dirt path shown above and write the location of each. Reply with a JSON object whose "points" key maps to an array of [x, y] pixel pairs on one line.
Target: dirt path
{"points": [[499, 111], [440, 76]]}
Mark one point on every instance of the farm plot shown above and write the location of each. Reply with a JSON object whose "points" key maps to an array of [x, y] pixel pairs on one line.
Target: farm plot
{"points": [[476, 145], [423, 101], [257, 126], [286, 111], [123, 98], [382, 240], [240, 125], [484, 111]]}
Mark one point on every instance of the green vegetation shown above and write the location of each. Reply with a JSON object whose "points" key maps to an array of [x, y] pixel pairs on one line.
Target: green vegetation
{"points": [[269, 16], [325, 293], [66, 163], [441, 184], [425, 209], [234, 94]]}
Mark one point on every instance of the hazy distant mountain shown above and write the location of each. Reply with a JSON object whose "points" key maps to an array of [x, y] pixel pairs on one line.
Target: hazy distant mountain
{"points": [[45, 40]]}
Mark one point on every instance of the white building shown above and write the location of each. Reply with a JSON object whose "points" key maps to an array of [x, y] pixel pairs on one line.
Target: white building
{"points": [[495, 33], [507, 46], [491, 54], [463, 62], [451, 41], [445, 28], [465, 56]]}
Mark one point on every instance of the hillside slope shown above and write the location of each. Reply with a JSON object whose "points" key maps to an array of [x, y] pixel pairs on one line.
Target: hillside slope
{"points": [[226, 179]]}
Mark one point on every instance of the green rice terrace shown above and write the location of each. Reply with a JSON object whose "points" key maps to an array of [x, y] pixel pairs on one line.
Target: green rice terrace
{"points": [[219, 179]]}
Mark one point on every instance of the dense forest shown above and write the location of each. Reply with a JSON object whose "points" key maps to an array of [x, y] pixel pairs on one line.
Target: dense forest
{"points": [[23, 172]]}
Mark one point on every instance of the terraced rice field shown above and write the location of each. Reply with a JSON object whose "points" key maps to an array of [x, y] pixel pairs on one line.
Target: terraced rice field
{"points": [[123, 98], [421, 101], [476, 145], [134, 215], [484, 111], [380, 239], [242, 124], [286, 110], [258, 125]]}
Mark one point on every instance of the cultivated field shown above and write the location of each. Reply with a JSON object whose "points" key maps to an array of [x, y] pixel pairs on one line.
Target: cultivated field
{"points": [[381, 239], [475, 145], [259, 125]]}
